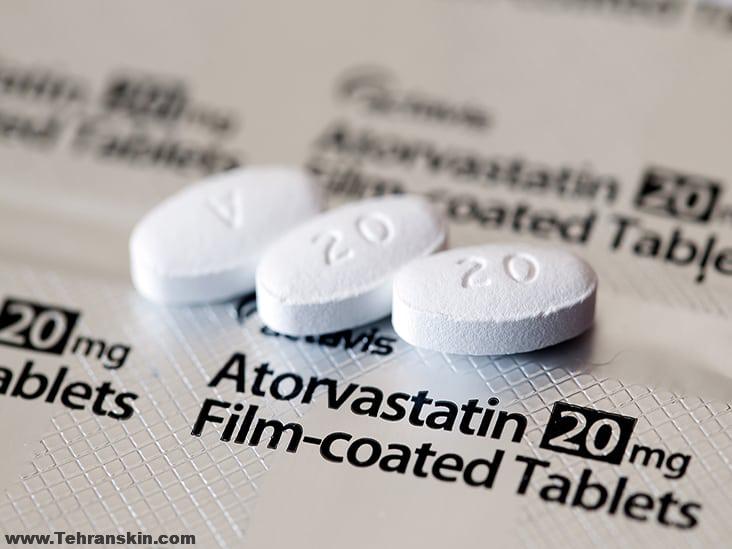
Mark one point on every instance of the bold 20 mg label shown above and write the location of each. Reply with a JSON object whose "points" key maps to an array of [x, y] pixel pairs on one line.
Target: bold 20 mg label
{"points": [[588, 433], [43, 329], [48, 329], [685, 197]]}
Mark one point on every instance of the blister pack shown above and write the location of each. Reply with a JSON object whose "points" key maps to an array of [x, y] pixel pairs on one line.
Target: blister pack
{"points": [[599, 127]]}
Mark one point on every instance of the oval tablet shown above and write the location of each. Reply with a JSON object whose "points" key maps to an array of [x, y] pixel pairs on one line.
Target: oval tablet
{"points": [[203, 243], [494, 299], [335, 271]]}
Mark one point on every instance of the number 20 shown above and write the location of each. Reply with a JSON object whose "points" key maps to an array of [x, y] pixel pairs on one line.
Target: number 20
{"points": [[42, 331], [519, 267], [563, 440], [374, 227]]}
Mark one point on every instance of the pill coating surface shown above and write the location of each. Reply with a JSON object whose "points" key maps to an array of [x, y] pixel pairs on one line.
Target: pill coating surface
{"points": [[494, 299], [335, 271], [203, 243]]}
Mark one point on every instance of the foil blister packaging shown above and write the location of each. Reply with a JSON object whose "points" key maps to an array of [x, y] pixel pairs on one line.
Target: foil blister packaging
{"points": [[602, 129]]}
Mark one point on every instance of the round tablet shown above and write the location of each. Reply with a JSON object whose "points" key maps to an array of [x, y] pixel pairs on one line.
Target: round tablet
{"points": [[335, 271], [493, 299], [203, 243]]}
